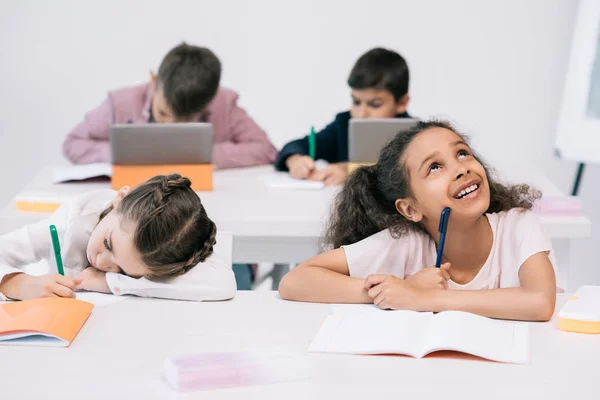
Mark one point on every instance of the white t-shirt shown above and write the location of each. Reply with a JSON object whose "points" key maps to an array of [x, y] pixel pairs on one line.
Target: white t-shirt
{"points": [[75, 221], [517, 235]]}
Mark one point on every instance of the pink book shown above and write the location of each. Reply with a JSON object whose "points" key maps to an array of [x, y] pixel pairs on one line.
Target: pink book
{"points": [[208, 371], [564, 205]]}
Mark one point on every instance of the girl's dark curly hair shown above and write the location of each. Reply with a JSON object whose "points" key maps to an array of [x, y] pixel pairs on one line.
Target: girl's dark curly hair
{"points": [[366, 204]]}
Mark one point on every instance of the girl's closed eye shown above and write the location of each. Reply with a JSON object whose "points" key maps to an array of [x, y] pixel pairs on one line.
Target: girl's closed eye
{"points": [[106, 245]]}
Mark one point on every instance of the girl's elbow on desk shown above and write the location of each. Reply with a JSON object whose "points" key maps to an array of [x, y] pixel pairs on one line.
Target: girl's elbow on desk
{"points": [[289, 285], [296, 285], [542, 306]]}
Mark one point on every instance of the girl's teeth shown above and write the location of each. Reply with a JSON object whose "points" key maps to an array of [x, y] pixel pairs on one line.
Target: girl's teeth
{"points": [[470, 189]]}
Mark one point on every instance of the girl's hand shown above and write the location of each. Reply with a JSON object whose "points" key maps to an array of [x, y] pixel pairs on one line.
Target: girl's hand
{"points": [[24, 287], [431, 277], [93, 280], [391, 293]]}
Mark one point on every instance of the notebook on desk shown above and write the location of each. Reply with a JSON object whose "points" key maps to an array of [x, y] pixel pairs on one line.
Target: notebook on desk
{"points": [[420, 334], [84, 172], [50, 321], [45, 202]]}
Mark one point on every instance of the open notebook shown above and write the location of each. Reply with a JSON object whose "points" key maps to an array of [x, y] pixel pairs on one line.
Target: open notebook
{"points": [[419, 334], [51, 321]]}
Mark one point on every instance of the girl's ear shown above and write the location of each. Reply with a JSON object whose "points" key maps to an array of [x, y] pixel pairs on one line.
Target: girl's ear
{"points": [[408, 210], [124, 191]]}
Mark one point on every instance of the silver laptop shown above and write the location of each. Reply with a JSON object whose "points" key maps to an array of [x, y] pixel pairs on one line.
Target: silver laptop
{"points": [[161, 144], [367, 136]]}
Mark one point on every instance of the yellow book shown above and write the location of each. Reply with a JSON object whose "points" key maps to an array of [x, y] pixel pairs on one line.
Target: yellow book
{"points": [[582, 312], [39, 202]]}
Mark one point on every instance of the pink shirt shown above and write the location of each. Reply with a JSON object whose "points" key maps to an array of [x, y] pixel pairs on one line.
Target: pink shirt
{"points": [[517, 236], [238, 140]]}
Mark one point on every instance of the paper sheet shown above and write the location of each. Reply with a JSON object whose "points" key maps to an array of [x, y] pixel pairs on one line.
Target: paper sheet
{"points": [[283, 180], [81, 172], [99, 299], [351, 309]]}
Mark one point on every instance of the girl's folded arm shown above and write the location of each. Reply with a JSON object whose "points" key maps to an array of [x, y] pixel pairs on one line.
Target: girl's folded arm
{"points": [[212, 280], [324, 279], [534, 300]]}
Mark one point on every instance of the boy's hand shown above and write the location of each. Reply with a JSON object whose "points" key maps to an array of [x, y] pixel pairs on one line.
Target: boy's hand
{"points": [[300, 166], [93, 280], [334, 174], [391, 293], [431, 277], [24, 287]]}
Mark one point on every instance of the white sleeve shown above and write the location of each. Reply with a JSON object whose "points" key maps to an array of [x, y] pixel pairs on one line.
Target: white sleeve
{"points": [[532, 239], [378, 254], [211, 280], [31, 243]]}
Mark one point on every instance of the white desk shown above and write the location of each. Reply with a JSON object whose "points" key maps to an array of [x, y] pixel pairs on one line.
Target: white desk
{"points": [[120, 350], [284, 226]]}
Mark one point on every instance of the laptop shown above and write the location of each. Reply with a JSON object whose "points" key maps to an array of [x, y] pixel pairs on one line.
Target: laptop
{"points": [[367, 136], [161, 144]]}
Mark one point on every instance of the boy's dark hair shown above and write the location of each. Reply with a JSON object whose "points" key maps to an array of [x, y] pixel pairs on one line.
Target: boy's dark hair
{"points": [[366, 204], [189, 78], [173, 232], [380, 69]]}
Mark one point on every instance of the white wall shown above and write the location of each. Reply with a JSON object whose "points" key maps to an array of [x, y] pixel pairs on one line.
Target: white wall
{"points": [[495, 67]]}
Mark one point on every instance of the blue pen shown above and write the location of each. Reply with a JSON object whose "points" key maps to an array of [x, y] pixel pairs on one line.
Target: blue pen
{"points": [[442, 230]]}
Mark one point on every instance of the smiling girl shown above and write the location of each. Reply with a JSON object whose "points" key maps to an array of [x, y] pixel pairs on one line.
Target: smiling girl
{"points": [[498, 261]]}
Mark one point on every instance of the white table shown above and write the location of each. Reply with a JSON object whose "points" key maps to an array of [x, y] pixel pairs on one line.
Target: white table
{"points": [[284, 226], [120, 351]]}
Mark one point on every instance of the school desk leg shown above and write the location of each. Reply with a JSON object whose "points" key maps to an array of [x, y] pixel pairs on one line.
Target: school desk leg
{"points": [[243, 276]]}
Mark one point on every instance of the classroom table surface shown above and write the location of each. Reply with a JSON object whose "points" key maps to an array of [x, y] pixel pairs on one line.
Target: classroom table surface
{"points": [[274, 225], [120, 351]]}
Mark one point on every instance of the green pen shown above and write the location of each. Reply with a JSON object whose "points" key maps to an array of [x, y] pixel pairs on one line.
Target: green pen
{"points": [[56, 245], [312, 143]]}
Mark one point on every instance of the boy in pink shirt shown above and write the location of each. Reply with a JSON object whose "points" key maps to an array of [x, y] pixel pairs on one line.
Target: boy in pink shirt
{"points": [[186, 89], [498, 261]]}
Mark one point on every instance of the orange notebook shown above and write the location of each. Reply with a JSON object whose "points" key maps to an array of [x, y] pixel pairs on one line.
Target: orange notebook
{"points": [[51, 321], [201, 175]]}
